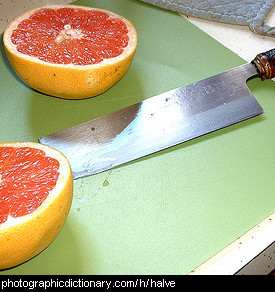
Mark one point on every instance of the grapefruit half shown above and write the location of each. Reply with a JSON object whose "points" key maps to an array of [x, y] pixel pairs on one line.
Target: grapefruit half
{"points": [[36, 189], [70, 51]]}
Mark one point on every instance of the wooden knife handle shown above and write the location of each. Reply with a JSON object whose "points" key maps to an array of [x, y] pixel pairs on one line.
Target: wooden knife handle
{"points": [[265, 63]]}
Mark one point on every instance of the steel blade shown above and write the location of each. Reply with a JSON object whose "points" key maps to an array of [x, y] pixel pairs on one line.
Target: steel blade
{"points": [[158, 122]]}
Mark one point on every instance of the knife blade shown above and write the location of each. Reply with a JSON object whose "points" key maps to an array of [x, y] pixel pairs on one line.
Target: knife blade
{"points": [[163, 120]]}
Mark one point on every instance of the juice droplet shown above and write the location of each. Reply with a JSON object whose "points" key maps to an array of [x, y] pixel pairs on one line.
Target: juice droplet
{"points": [[105, 183]]}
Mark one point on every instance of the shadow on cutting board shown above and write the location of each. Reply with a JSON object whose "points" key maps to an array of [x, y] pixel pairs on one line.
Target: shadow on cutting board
{"points": [[48, 114]]}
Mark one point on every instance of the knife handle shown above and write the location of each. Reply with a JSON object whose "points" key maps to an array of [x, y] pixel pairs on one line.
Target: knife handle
{"points": [[265, 63]]}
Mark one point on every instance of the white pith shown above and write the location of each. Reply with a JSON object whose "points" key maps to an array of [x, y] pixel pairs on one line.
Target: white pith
{"points": [[69, 33]]}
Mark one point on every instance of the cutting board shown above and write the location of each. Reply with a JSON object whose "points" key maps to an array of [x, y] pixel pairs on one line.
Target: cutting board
{"points": [[169, 212]]}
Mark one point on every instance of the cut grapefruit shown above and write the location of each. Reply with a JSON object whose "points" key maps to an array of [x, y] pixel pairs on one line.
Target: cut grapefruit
{"points": [[36, 189], [70, 51]]}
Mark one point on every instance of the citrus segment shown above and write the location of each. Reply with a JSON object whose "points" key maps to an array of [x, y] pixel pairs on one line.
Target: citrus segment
{"points": [[35, 197], [79, 37], [70, 51], [27, 177]]}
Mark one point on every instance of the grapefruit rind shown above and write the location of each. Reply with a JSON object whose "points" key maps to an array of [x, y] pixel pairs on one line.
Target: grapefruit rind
{"points": [[70, 81], [24, 237]]}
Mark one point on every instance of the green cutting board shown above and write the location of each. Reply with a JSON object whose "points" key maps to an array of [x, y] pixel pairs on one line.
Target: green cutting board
{"points": [[169, 212]]}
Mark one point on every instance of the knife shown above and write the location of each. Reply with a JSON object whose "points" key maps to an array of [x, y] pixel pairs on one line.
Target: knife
{"points": [[163, 120]]}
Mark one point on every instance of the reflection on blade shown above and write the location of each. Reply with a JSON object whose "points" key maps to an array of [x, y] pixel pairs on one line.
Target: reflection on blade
{"points": [[158, 122]]}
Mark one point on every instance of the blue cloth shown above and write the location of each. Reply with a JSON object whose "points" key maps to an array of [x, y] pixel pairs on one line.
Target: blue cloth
{"points": [[252, 13]]}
